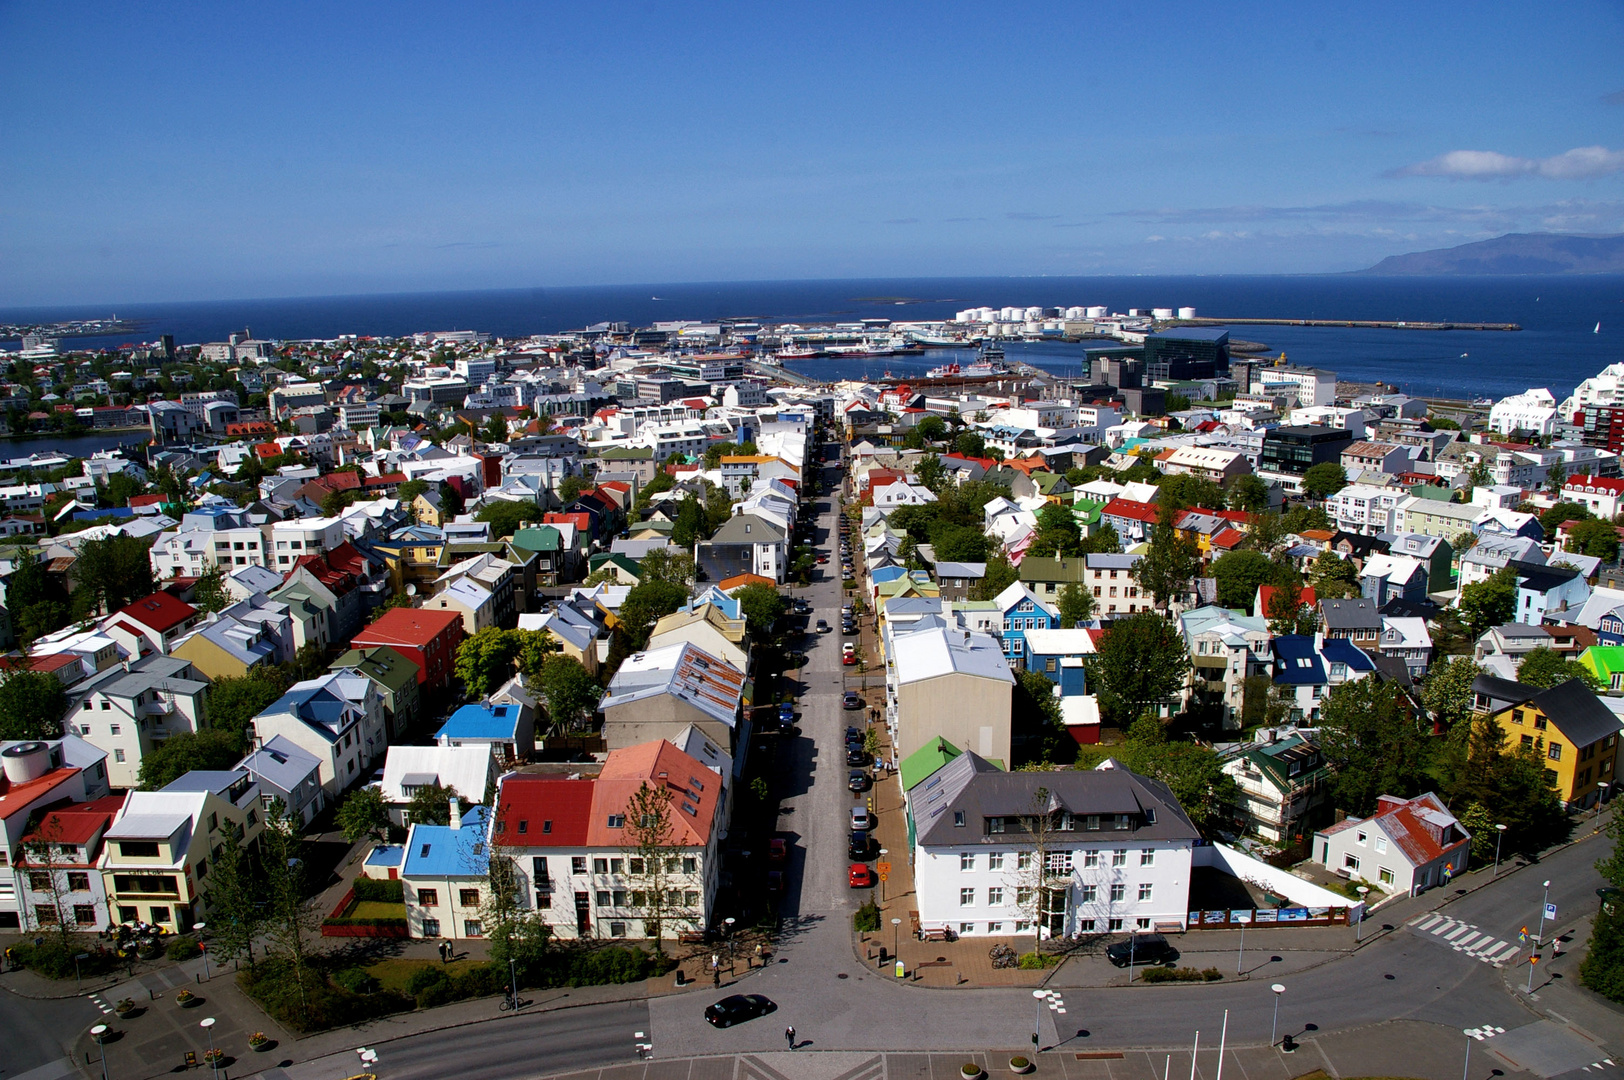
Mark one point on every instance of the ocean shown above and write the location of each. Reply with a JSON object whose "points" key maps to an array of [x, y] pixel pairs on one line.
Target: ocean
{"points": [[1555, 349]]}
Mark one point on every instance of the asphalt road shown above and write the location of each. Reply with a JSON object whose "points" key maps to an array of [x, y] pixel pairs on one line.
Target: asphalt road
{"points": [[36, 1033], [521, 1046]]}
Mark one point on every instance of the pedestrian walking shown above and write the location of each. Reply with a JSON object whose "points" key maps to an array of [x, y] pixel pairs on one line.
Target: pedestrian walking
{"points": [[789, 1037], [758, 954]]}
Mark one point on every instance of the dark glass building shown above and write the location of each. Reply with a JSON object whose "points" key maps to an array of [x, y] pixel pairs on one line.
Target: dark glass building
{"points": [[1295, 450]]}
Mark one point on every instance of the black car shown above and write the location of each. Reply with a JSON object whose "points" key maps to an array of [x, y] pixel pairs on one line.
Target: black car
{"points": [[858, 780], [855, 755], [853, 733], [1141, 949], [737, 1009], [852, 700], [859, 844]]}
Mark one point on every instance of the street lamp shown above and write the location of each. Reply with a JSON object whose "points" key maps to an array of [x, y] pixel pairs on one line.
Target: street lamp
{"points": [[1363, 891], [896, 938], [1466, 1066], [99, 1032], [513, 982], [198, 928], [1055, 1004], [728, 922], [1274, 1027], [207, 1024], [1601, 795], [1533, 951], [76, 959], [1499, 834]]}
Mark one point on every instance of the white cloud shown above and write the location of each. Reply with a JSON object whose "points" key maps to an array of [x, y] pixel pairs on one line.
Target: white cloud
{"points": [[1580, 163]]}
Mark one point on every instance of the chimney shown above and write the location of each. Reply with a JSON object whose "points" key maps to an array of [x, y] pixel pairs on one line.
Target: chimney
{"points": [[456, 813]]}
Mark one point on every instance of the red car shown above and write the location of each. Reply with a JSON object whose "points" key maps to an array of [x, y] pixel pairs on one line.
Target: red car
{"points": [[822, 559], [862, 876], [777, 849], [848, 659]]}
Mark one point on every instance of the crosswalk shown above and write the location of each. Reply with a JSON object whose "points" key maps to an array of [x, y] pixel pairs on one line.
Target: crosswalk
{"points": [[100, 1003], [1487, 1031], [1465, 938]]}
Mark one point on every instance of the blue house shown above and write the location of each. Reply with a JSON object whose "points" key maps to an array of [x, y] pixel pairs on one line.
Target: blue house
{"points": [[1610, 630], [1308, 668], [1022, 611]]}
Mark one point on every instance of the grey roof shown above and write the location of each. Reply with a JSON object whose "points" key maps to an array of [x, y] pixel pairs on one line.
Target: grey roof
{"points": [[760, 531], [1577, 712], [974, 786], [1502, 689], [153, 672], [961, 569], [281, 764], [217, 781], [1356, 614]]}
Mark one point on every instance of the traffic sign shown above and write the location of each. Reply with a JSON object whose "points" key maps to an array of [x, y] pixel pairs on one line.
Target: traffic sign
{"points": [[883, 867], [1522, 936], [1550, 911], [884, 876]]}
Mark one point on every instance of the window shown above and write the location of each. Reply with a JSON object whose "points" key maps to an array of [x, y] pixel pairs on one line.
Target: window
{"points": [[995, 825], [544, 901], [1089, 894], [84, 914], [78, 882], [1119, 858], [617, 866], [1381, 845], [1091, 858], [1123, 822], [1144, 892], [995, 928], [1023, 895], [1350, 861], [690, 897], [428, 897], [431, 927], [602, 897], [468, 897], [128, 914], [113, 729], [1023, 926], [39, 880], [1385, 875], [1119, 893], [690, 864], [958, 819], [138, 849], [1141, 924], [635, 865], [1113, 925], [1093, 823], [1361, 838], [472, 927], [1147, 857], [619, 898], [1023, 860], [600, 866], [967, 897], [967, 861], [118, 755], [578, 864], [1085, 926], [1555, 752], [995, 897], [617, 821], [995, 860], [1058, 862]]}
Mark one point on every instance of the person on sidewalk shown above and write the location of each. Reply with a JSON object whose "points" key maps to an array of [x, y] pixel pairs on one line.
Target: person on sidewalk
{"points": [[789, 1036]]}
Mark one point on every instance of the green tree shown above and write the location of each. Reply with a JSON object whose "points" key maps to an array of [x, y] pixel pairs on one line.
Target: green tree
{"points": [[207, 750], [114, 572], [1480, 474], [689, 526], [762, 606], [1250, 493], [1447, 691], [646, 604], [37, 620], [31, 705], [411, 489], [958, 543], [1001, 574], [570, 488], [289, 921], [1333, 577], [1238, 574], [1058, 534], [1555, 476], [431, 804], [1512, 785], [1194, 773], [451, 501], [1165, 570], [1594, 537], [572, 694], [1491, 602], [1325, 479], [486, 660], [1186, 490], [209, 594], [1035, 724], [1545, 667], [234, 897], [363, 813], [234, 701], [1076, 605], [1372, 743], [334, 502], [930, 472], [1552, 519], [28, 584], [506, 518], [650, 844], [1141, 662], [659, 565], [496, 428], [970, 444]]}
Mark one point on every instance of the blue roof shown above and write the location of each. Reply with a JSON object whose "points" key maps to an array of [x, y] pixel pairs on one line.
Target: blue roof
{"points": [[441, 851], [1343, 651], [1296, 662], [888, 573], [482, 722], [387, 855], [109, 512]]}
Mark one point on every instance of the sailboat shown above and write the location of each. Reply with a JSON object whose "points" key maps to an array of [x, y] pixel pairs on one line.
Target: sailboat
{"points": [[1597, 330]]}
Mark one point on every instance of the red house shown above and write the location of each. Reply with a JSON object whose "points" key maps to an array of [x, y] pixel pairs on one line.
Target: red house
{"points": [[427, 638]]}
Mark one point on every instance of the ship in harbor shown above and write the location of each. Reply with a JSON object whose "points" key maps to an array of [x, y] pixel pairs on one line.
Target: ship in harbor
{"points": [[979, 369]]}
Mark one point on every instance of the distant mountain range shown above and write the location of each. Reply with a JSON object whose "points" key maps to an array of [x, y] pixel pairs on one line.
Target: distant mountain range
{"points": [[1514, 253]]}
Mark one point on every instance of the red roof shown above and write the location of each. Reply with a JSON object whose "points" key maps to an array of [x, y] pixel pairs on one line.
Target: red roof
{"points": [[145, 500], [1227, 539], [407, 626], [384, 480], [160, 611], [78, 823], [984, 462], [1415, 825], [580, 519], [1604, 485], [1265, 594], [543, 811], [267, 449], [1128, 508], [15, 798], [727, 585]]}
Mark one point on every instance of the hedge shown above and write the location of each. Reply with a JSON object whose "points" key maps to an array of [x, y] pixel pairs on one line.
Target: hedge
{"points": [[1183, 974], [388, 892], [271, 983], [54, 960]]}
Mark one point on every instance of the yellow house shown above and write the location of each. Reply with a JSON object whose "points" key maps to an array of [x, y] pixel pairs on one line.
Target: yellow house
{"points": [[1574, 731]]}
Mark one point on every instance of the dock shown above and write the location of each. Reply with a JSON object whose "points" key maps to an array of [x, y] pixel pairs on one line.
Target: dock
{"points": [[1363, 324]]}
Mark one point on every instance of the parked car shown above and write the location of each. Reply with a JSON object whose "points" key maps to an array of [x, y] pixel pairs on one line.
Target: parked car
{"points": [[861, 876], [861, 819], [852, 700], [822, 559], [848, 658], [737, 1009], [854, 734], [775, 881], [855, 755], [858, 848], [1141, 949], [777, 849], [858, 780]]}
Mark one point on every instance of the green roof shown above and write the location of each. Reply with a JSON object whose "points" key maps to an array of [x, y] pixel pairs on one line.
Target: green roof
{"points": [[1603, 660], [381, 664], [628, 453], [922, 764], [538, 538], [1046, 481], [1275, 760]]}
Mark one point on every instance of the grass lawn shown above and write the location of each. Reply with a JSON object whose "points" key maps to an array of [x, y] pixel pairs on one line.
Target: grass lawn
{"points": [[378, 909], [394, 974]]}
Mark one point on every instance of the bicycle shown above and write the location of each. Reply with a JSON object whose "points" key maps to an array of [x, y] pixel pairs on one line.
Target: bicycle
{"points": [[508, 1004]]}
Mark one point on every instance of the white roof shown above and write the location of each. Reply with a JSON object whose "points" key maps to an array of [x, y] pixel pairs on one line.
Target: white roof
{"points": [[1412, 633], [1391, 567], [466, 768], [1080, 710], [1059, 642], [927, 654], [1601, 601]]}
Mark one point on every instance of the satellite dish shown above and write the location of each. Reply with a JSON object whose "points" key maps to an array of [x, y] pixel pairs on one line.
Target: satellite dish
{"points": [[411, 590]]}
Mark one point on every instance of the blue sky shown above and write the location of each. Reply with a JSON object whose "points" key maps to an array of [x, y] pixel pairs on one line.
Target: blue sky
{"points": [[169, 151]]}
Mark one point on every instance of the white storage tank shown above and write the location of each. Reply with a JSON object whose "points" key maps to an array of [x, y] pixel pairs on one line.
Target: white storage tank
{"points": [[1076, 313], [1012, 314], [1033, 313], [1186, 312], [1096, 311], [1163, 313], [1134, 313], [26, 761]]}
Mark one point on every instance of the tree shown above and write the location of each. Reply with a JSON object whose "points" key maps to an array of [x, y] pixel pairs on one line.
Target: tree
{"points": [[1001, 574], [1545, 667], [114, 572], [1325, 479], [1058, 534], [1288, 614], [1594, 537], [1036, 726], [431, 804], [207, 750], [28, 585], [570, 488], [496, 429], [31, 705], [1491, 602], [762, 606], [1511, 784], [690, 523], [930, 472], [485, 660], [451, 501], [363, 813], [1038, 884], [1141, 662], [1185, 490], [933, 428], [334, 502], [969, 444], [1165, 570], [209, 594], [507, 518], [45, 872], [1372, 744], [1480, 474], [1333, 577], [1447, 691], [411, 489], [1553, 518], [234, 701], [650, 843], [234, 897], [1102, 541], [1555, 476], [646, 604], [1250, 493], [1239, 573], [958, 543], [1076, 605], [572, 694], [289, 923], [1194, 773], [662, 565]]}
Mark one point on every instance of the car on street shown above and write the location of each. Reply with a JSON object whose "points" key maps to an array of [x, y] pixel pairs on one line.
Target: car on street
{"points": [[861, 819], [848, 628], [855, 755], [802, 607], [852, 700], [861, 876], [858, 780], [822, 559], [738, 1008], [1141, 949], [858, 846], [848, 659], [822, 626], [854, 733], [777, 849], [775, 881]]}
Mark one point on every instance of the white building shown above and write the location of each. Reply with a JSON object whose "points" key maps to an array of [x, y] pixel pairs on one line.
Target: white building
{"points": [[1408, 845], [1116, 851], [338, 719], [1365, 509], [304, 536], [132, 707], [1603, 497], [1531, 411]]}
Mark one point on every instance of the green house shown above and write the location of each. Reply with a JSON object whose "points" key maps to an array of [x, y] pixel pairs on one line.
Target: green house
{"points": [[396, 678], [1605, 662]]}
